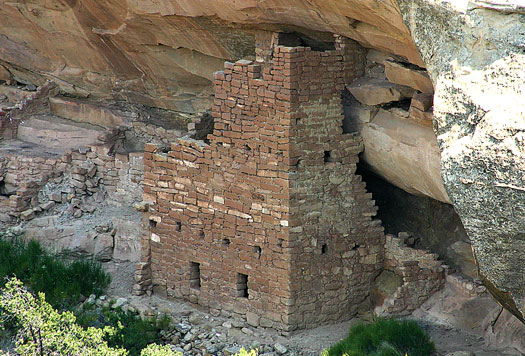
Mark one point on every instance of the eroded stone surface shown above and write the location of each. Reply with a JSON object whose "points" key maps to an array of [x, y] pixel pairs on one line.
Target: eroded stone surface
{"points": [[475, 57], [164, 53]]}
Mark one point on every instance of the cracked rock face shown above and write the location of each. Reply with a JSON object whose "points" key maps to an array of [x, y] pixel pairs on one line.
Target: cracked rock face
{"points": [[476, 57]]}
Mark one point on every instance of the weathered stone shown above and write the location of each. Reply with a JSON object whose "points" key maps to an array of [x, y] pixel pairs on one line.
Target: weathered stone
{"points": [[48, 205], [422, 101], [54, 132], [27, 214], [120, 302], [391, 151], [104, 247], [376, 91], [56, 197], [281, 349], [479, 117], [422, 117], [409, 75], [191, 41]]}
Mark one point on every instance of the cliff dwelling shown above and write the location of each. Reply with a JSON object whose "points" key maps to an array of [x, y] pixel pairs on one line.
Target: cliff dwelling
{"points": [[286, 173]]}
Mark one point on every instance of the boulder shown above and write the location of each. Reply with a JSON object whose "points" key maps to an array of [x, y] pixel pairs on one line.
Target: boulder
{"points": [[476, 60]]}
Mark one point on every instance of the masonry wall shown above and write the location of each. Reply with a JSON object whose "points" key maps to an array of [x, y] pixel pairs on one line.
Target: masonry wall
{"points": [[269, 222], [88, 171], [420, 272]]}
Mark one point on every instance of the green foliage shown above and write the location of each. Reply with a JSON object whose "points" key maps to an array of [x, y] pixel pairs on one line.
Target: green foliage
{"points": [[63, 283], [157, 350], [44, 331], [385, 337], [243, 352], [132, 332]]}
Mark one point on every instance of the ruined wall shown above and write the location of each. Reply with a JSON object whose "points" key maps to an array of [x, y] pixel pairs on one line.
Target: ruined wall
{"points": [[26, 105], [76, 174], [268, 222], [420, 275]]}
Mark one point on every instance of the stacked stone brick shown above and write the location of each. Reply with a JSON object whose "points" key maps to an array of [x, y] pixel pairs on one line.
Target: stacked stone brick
{"points": [[27, 174], [269, 221], [87, 170], [34, 103], [421, 272]]}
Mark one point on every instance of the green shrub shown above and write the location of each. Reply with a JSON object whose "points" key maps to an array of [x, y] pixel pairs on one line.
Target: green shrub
{"points": [[157, 350], [63, 283], [131, 332], [44, 331], [385, 337]]}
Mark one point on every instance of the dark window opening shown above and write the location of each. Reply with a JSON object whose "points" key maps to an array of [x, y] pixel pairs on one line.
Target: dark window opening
{"points": [[202, 235], [257, 250], [248, 148], [328, 156], [242, 285], [195, 275], [355, 247], [322, 42], [280, 243], [152, 223], [6, 190], [226, 242], [203, 127], [324, 249], [178, 226]]}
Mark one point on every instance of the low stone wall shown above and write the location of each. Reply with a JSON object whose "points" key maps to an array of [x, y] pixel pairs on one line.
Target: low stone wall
{"points": [[421, 275], [87, 171]]}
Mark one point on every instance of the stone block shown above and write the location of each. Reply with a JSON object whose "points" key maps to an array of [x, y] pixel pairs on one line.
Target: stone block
{"points": [[408, 75], [27, 215], [372, 92]]}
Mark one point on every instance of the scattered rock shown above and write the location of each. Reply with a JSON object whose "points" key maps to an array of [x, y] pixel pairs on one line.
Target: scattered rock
{"points": [[120, 302], [48, 205], [195, 319], [281, 349], [231, 350], [27, 214], [247, 331]]}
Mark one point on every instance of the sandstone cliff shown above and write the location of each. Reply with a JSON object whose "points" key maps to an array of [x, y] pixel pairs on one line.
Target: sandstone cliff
{"points": [[163, 54]]}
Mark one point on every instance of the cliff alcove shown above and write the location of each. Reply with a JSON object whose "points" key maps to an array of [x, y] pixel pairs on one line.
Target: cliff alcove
{"points": [[121, 126]]}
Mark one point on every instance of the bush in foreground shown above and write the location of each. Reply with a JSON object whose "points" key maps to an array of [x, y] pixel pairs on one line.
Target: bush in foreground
{"points": [[132, 332], [385, 337], [43, 331]]}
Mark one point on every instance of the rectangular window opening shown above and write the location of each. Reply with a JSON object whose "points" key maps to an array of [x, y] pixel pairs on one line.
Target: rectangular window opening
{"points": [[242, 285], [195, 275], [327, 156], [178, 226]]}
